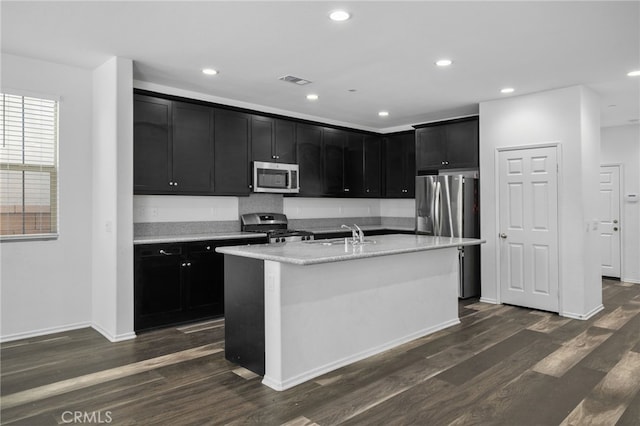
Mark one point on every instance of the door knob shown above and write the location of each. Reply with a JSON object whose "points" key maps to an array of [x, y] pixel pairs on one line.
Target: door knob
{"points": [[503, 235]]}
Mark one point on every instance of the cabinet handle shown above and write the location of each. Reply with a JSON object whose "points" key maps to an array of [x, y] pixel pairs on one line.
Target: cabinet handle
{"points": [[208, 247], [183, 265], [166, 253], [250, 186], [367, 190], [273, 156], [175, 183], [170, 183], [188, 263], [277, 157], [346, 190]]}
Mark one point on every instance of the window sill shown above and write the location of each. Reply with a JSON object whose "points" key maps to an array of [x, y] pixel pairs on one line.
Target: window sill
{"points": [[29, 237]]}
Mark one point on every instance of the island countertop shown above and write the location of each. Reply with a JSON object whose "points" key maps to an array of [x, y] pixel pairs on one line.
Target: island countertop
{"points": [[322, 251]]}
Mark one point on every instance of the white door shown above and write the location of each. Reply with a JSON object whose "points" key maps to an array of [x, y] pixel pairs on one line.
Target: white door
{"points": [[609, 217], [528, 238]]}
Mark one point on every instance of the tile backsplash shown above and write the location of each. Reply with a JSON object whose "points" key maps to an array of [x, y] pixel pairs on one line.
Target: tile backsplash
{"points": [[177, 215]]}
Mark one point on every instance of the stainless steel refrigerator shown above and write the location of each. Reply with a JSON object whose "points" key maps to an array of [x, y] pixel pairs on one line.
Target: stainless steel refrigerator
{"points": [[449, 206]]}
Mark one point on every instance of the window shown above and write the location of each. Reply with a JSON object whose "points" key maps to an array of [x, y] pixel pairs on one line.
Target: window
{"points": [[28, 166]]}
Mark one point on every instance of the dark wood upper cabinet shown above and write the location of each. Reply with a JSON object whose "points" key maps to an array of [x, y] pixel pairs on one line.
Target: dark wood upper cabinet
{"points": [[372, 164], [285, 141], [231, 153], [152, 148], [309, 155], [192, 148], [399, 165], [448, 145], [353, 159], [272, 140], [333, 144], [261, 138]]}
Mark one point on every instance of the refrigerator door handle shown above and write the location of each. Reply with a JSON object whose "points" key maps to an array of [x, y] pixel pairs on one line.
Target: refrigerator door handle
{"points": [[437, 210]]}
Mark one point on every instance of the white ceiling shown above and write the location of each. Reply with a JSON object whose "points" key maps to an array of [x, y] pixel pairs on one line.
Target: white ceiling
{"points": [[386, 52]]}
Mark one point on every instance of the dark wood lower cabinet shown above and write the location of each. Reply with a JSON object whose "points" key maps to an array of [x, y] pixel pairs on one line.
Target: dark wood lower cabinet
{"points": [[182, 282]]}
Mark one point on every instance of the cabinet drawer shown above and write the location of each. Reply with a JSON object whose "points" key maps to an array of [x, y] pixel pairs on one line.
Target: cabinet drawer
{"points": [[158, 250]]}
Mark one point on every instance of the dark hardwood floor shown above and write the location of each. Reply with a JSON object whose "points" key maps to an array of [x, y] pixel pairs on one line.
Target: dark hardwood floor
{"points": [[502, 365]]}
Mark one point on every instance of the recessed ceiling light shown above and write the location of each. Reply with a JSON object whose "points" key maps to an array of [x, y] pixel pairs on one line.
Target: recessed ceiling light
{"points": [[339, 15], [444, 62], [507, 90], [209, 71], [383, 113], [612, 106], [634, 73], [312, 96]]}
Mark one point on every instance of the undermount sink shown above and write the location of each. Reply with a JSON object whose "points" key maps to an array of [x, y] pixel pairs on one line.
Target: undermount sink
{"points": [[337, 241]]}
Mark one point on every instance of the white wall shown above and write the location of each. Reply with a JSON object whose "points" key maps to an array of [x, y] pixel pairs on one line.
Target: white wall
{"points": [[46, 285], [570, 118], [621, 145], [112, 266]]}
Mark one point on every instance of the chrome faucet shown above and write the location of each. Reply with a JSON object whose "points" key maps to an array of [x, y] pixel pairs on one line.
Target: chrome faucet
{"points": [[357, 236], [360, 234]]}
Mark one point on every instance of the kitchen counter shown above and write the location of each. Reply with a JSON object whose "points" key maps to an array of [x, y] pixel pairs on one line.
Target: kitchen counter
{"points": [[158, 239], [332, 229], [294, 311], [322, 251]]}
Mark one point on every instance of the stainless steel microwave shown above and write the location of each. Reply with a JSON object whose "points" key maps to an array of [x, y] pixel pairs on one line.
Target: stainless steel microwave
{"points": [[275, 177]]}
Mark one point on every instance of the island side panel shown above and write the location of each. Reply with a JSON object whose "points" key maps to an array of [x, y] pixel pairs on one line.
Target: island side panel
{"points": [[321, 317], [244, 312]]}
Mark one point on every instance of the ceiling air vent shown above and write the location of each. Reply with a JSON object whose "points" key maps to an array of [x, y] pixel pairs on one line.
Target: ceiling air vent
{"points": [[296, 80]]}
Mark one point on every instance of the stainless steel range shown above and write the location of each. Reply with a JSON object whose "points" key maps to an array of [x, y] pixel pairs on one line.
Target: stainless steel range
{"points": [[275, 225]]}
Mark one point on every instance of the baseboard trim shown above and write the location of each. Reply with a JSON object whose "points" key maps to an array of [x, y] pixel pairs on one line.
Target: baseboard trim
{"points": [[487, 300], [43, 332], [308, 375], [110, 337], [631, 280], [583, 317]]}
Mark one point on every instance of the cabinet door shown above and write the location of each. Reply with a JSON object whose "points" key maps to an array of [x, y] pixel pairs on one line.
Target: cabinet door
{"points": [[152, 145], [333, 142], [309, 147], [354, 165], [157, 285], [431, 148], [400, 166], [231, 153], [462, 144], [192, 148], [409, 154], [285, 141], [372, 175], [261, 139], [204, 289]]}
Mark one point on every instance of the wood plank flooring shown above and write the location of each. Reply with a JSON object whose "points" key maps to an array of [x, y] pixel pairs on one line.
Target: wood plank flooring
{"points": [[503, 365]]}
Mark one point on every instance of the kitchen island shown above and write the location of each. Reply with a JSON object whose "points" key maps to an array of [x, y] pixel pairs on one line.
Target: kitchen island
{"points": [[294, 311]]}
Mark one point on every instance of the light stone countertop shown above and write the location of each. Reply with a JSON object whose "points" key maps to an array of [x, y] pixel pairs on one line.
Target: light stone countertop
{"points": [[159, 239], [363, 227], [182, 238], [315, 252]]}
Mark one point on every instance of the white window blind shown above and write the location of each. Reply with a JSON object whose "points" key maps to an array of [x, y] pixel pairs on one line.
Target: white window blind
{"points": [[28, 166]]}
